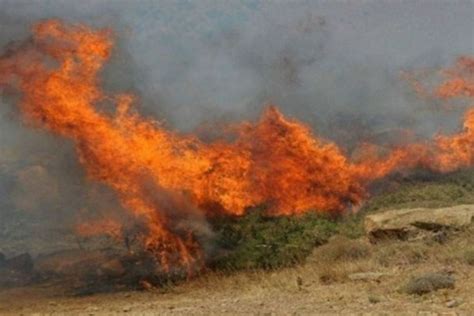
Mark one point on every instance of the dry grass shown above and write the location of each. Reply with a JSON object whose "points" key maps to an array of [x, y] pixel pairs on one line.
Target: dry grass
{"points": [[321, 285], [334, 261], [394, 253], [340, 257], [325, 277], [340, 248], [469, 257]]}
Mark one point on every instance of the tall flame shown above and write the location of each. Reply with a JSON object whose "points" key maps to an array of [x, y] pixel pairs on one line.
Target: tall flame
{"points": [[275, 160]]}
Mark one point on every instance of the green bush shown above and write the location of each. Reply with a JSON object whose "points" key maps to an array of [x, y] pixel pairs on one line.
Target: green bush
{"points": [[259, 241]]}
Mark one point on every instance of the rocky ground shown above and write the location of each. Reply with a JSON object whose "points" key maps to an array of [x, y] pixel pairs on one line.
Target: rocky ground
{"points": [[420, 265]]}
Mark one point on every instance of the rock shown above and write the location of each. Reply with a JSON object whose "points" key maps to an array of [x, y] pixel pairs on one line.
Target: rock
{"points": [[429, 282], [127, 309], [367, 276], [2, 259], [414, 223], [453, 303]]}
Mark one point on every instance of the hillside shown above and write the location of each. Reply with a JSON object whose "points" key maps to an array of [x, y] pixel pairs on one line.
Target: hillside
{"points": [[346, 274]]}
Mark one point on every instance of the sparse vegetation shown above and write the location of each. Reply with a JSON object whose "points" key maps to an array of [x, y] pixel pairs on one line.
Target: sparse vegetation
{"points": [[428, 283], [341, 249], [373, 299], [425, 190], [396, 253]]}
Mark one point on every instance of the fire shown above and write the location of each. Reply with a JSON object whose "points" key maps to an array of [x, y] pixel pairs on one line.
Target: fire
{"points": [[457, 151], [161, 176]]}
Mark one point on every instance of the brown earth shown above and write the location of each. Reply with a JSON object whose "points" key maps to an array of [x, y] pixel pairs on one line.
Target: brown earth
{"points": [[326, 284]]}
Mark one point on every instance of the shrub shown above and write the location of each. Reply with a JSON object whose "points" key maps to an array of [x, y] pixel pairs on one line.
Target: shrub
{"points": [[259, 241], [373, 299], [429, 282]]}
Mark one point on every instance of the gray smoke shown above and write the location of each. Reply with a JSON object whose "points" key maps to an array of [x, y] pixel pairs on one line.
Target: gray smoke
{"points": [[332, 64]]}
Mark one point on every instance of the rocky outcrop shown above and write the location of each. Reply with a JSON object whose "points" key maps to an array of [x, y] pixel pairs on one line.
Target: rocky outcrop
{"points": [[416, 223]]}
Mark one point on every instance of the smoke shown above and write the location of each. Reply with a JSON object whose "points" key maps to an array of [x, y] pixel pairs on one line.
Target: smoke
{"points": [[334, 65], [196, 61]]}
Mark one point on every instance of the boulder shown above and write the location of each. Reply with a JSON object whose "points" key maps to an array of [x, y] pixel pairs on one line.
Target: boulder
{"points": [[414, 223]]}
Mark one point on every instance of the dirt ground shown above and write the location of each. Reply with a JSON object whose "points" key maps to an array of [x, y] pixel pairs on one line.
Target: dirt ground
{"points": [[323, 285], [258, 293]]}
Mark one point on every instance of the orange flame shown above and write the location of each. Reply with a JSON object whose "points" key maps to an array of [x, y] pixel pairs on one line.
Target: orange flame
{"points": [[274, 160]]}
